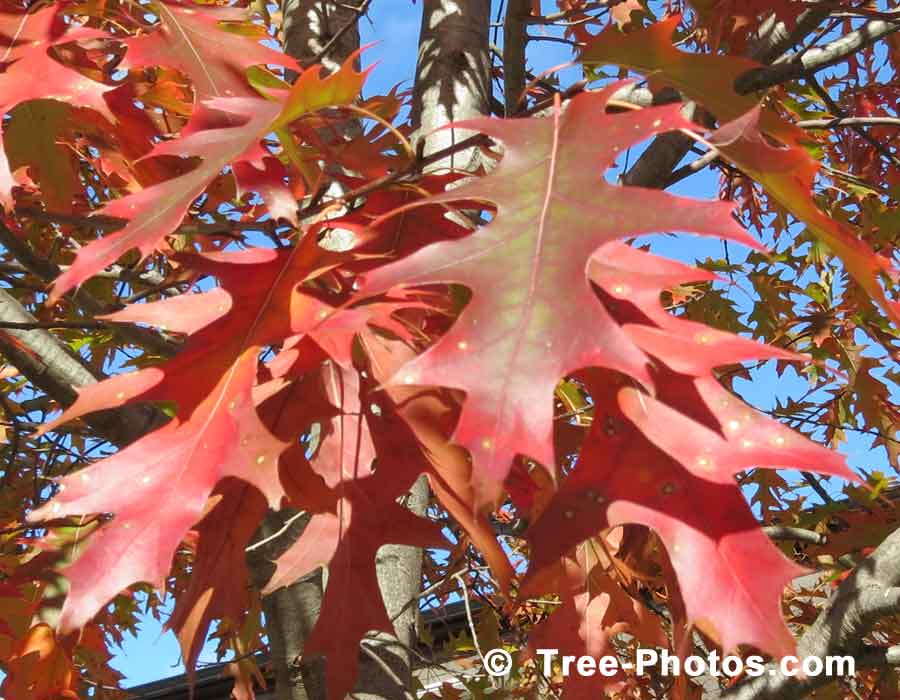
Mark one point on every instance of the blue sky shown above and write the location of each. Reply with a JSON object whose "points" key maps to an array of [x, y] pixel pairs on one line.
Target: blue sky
{"points": [[394, 25]]}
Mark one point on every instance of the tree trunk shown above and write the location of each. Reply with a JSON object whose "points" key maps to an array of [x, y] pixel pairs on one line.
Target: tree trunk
{"points": [[452, 75], [309, 27], [452, 83], [291, 612]]}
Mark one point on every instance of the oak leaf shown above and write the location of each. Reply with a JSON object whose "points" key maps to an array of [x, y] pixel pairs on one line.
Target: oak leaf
{"points": [[517, 338], [668, 460]]}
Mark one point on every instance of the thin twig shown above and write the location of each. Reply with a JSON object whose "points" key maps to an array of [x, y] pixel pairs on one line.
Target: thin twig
{"points": [[465, 592], [865, 135], [848, 121], [47, 325], [274, 536], [782, 532], [389, 672]]}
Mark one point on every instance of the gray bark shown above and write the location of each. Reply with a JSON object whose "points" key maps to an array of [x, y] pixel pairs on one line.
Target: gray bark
{"points": [[399, 571], [452, 83], [325, 31], [809, 61], [775, 37], [515, 41], [291, 612], [871, 593], [309, 28], [310, 25], [834, 122], [309, 31], [452, 76], [49, 271], [662, 156]]}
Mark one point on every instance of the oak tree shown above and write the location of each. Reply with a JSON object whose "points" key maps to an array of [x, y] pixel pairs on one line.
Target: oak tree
{"points": [[302, 360]]}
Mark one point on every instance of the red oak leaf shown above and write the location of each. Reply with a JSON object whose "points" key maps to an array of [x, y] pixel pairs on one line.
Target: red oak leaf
{"points": [[218, 586], [222, 132], [367, 517], [33, 74], [409, 437], [515, 340], [668, 460], [728, 571], [594, 609], [157, 211], [158, 487], [216, 432], [289, 408], [191, 39]]}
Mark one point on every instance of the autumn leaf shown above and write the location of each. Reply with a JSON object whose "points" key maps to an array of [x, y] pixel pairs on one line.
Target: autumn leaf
{"points": [[208, 44], [515, 340], [216, 432], [158, 488], [745, 136], [40, 668], [218, 586], [594, 609], [34, 75], [222, 131], [668, 460], [156, 211]]}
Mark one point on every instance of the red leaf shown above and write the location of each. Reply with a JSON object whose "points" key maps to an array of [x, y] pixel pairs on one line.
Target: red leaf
{"points": [[668, 461], [33, 74], [367, 517], [224, 131], [157, 211], [218, 586], [515, 340], [191, 39], [158, 487]]}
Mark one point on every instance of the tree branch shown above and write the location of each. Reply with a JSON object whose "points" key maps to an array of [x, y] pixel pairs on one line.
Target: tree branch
{"points": [[514, 43], [654, 167], [51, 367], [783, 532], [815, 59], [834, 122], [870, 593], [48, 325], [775, 38], [48, 271], [661, 157]]}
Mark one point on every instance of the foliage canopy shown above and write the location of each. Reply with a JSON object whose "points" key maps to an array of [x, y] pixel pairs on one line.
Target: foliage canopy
{"points": [[509, 333]]}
